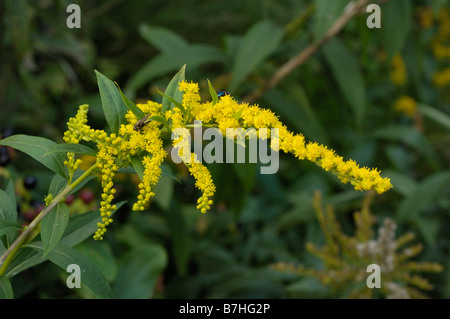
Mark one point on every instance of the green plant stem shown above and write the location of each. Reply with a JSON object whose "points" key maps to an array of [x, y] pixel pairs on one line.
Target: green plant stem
{"points": [[7, 257]]}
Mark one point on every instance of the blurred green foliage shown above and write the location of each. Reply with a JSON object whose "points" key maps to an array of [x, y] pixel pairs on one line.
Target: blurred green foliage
{"points": [[344, 96]]}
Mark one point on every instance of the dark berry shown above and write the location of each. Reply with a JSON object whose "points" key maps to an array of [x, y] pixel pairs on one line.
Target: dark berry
{"points": [[4, 156], [87, 196], [29, 182], [30, 214], [69, 199]]}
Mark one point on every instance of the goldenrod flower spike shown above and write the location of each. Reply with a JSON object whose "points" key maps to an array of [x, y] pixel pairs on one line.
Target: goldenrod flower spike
{"points": [[222, 114], [117, 150]]}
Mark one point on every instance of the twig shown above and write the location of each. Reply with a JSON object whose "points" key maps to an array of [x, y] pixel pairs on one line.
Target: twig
{"points": [[350, 11]]}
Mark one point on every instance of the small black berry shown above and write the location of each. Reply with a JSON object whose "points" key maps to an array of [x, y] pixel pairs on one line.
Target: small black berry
{"points": [[30, 182], [4, 156]]}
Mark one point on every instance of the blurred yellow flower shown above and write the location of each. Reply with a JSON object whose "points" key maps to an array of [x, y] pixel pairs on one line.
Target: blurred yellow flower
{"points": [[398, 71], [406, 105], [442, 78]]}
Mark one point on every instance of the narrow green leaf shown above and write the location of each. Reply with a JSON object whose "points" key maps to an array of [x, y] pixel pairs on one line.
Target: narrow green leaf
{"points": [[138, 272], [174, 102], [7, 227], [64, 256], [172, 95], [158, 66], [168, 62], [164, 191], [56, 185], [37, 147], [130, 104], [71, 148], [213, 93], [296, 111], [429, 229], [403, 183], [407, 135], [100, 252], [422, 198], [181, 240], [114, 107], [158, 118], [10, 191], [326, 13], [396, 24], [435, 115], [238, 114], [165, 170], [6, 291], [25, 258], [162, 38], [8, 211], [136, 161], [347, 74], [83, 226], [258, 43], [53, 226]]}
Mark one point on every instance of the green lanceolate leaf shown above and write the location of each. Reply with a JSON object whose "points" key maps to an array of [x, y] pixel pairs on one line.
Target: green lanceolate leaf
{"points": [[158, 118], [8, 211], [130, 104], [435, 115], [6, 291], [181, 240], [136, 161], [10, 191], [348, 76], [162, 38], [71, 148], [37, 147], [114, 107], [213, 93], [139, 270], [90, 275], [173, 101], [53, 226], [82, 226], [7, 227], [326, 13], [396, 23], [238, 114], [172, 95], [258, 43], [423, 196]]}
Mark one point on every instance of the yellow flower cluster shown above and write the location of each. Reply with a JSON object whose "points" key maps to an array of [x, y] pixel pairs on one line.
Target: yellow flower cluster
{"points": [[202, 176], [442, 78], [116, 151], [398, 71], [406, 105], [228, 113], [441, 43], [143, 143]]}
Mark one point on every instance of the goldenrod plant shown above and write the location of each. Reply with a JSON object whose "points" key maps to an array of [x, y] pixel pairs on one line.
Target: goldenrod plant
{"points": [[346, 99], [347, 259], [136, 142]]}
